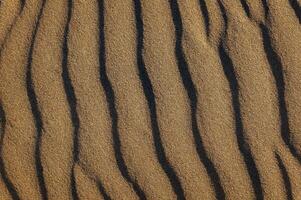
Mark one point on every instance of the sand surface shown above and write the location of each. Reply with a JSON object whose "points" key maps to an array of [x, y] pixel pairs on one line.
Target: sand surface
{"points": [[150, 99]]}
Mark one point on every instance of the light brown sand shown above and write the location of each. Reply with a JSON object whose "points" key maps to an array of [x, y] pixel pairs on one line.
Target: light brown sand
{"points": [[139, 99]]}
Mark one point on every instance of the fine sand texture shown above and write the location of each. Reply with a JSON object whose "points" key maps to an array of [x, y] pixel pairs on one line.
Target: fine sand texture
{"points": [[150, 99]]}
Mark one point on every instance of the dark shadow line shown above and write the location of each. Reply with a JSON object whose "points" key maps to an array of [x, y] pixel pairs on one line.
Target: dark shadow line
{"points": [[11, 27], [22, 3], [224, 14], [192, 94], [242, 144], [71, 98], [36, 111], [296, 7], [204, 11], [103, 191], [277, 70], [285, 177], [265, 7], [73, 185], [150, 97], [110, 97], [9, 185], [246, 7]]}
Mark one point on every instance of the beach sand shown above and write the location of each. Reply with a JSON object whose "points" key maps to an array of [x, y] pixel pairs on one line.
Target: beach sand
{"points": [[150, 99]]}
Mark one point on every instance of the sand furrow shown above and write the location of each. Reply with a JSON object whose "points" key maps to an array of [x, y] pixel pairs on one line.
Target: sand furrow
{"points": [[295, 5], [95, 135], [205, 13], [293, 169], [9, 11], [241, 136], [20, 134], [38, 122], [191, 92], [216, 23], [172, 103], [277, 70], [285, 34], [287, 182], [256, 10], [7, 189], [71, 98], [138, 145], [260, 119], [87, 188], [111, 101], [57, 140], [215, 117]]}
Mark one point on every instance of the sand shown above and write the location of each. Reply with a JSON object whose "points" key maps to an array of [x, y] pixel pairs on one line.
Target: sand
{"points": [[138, 99]]}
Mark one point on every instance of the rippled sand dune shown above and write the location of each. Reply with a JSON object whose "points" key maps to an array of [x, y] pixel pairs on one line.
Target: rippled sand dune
{"points": [[150, 99]]}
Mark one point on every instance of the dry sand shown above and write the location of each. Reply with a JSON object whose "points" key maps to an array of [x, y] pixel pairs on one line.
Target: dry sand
{"points": [[150, 99]]}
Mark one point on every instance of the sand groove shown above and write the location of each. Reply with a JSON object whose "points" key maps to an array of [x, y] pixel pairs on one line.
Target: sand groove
{"points": [[139, 99]]}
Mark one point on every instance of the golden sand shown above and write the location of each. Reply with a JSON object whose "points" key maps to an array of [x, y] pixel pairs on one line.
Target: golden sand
{"points": [[150, 99]]}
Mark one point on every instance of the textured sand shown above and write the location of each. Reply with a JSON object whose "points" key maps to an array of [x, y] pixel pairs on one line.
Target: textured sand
{"points": [[150, 99]]}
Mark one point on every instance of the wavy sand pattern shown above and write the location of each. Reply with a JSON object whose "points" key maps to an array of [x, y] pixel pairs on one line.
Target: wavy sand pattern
{"points": [[150, 99]]}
